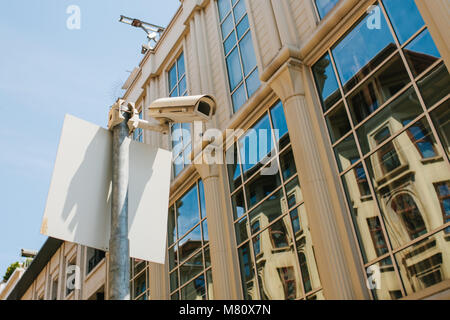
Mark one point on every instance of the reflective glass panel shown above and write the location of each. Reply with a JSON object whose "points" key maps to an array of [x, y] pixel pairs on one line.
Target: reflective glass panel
{"points": [[234, 69], [191, 268], [361, 50], [260, 187], [237, 201], [239, 10], [247, 53], [435, 85], [242, 27], [394, 117], [172, 233], [241, 231], [224, 8], [234, 168], [276, 254], [364, 213], [293, 193], [325, 6], [441, 119], [180, 64], [191, 242], [385, 83], [338, 124], [227, 26], [383, 281], [195, 290], [252, 82], [326, 82], [269, 210], [405, 18], [279, 123], [403, 174], [255, 146], [239, 98], [188, 211], [421, 53], [346, 153], [249, 286], [201, 190], [287, 162], [205, 231], [425, 263]]}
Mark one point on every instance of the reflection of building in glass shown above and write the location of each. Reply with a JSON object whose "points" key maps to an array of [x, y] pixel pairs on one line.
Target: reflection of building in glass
{"points": [[358, 132]]}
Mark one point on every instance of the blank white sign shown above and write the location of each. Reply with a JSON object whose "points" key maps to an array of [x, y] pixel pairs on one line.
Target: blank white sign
{"points": [[78, 205]]}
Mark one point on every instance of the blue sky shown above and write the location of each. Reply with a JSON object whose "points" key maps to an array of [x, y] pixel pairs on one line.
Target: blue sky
{"points": [[47, 71]]}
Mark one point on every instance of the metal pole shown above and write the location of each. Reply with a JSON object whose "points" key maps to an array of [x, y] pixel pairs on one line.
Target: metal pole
{"points": [[119, 255]]}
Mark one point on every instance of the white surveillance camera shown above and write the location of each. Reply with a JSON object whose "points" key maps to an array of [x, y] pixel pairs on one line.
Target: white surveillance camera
{"points": [[183, 109]]}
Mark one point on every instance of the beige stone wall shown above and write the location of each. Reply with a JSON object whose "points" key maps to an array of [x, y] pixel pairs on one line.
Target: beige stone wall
{"points": [[288, 39]]}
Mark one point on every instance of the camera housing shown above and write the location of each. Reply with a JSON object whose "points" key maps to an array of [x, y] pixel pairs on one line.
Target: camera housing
{"points": [[183, 109]]}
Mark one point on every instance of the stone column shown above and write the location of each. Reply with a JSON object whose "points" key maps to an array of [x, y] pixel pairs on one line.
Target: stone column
{"points": [[335, 253], [158, 281], [225, 269], [436, 14]]}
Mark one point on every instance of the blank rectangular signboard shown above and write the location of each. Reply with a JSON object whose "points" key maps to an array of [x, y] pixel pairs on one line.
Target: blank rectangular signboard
{"points": [[78, 205]]}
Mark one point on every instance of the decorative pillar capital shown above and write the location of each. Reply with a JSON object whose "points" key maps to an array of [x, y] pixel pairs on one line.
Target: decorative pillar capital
{"points": [[205, 170], [288, 81]]}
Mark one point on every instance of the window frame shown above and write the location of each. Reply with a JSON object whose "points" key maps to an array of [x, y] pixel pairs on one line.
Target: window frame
{"points": [[225, 55]]}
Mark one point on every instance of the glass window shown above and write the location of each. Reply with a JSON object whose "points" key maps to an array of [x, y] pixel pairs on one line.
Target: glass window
{"points": [[93, 258], [395, 172], [287, 162], [191, 268], [325, 6], [443, 194], [239, 52], [338, 124], [256, 146], [364, 214], [180, 133], [346, 153], [379, 88], [260, 187], [424, 263], [326, 82], [247, 272], [393, 117], [403, 182], [188, 248], [441, 121], [405, 18], [270, 220], [138, 134], [275, 242], [187, 211], [361, 50], [241, 230], [238, 204], [195, 290], [139, 279], [421, 53], [139, 285], [383, 281], [435, 85], [279, 123]]}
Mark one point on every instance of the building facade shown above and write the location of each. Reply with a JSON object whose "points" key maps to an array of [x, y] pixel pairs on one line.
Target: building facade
{"points": [[354, 96]]}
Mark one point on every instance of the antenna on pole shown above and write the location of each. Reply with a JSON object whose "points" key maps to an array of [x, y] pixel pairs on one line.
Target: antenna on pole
{"points": [[153, 31]]}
